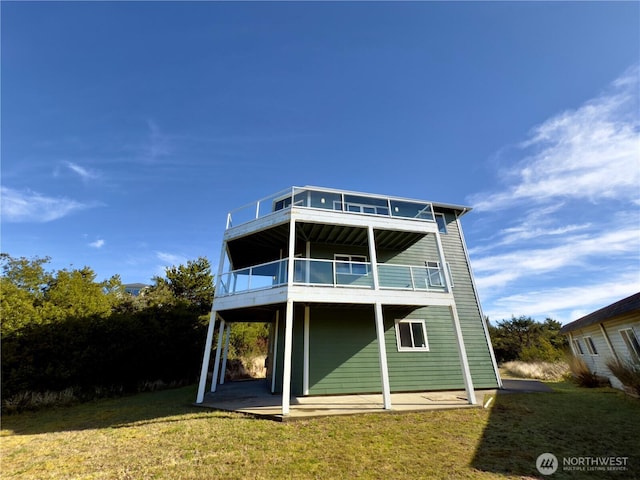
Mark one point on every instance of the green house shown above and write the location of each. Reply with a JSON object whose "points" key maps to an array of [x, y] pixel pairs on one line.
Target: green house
{"points": [[364, 294]]}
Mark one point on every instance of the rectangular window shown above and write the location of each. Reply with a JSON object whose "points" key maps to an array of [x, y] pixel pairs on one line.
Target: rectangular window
{"points": [[591, 346], [411, 336], [631, 341], [351, 264], [578, 346], [442, 223]]}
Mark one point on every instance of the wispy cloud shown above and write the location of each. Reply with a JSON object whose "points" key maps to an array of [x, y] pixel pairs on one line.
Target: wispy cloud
{"points": [[498, 270], [97, 244], [170, 259], [157, 144], [566, 303], [82, 172], [568, 240], [591, 153], [28, 206]]}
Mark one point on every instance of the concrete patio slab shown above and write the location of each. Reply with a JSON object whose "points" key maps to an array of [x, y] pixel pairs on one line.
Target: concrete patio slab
{"points": [[253, 397]]}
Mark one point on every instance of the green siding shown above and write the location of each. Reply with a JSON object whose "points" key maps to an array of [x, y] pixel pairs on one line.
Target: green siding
{"points": [[343, 351], [471, 322], [437, 369]]}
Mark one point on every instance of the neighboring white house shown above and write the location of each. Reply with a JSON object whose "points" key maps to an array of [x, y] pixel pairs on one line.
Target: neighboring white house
{"points": [[611, 332]]}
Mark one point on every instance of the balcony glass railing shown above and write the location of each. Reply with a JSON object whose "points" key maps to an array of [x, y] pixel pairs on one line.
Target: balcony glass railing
{"points": [[411, 277], [332, 273], [257, 277], [332, 200]]}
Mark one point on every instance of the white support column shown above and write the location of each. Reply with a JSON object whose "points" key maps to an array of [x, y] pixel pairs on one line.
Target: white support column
{"points": [[443, 263], [274, 362], [379, 319], [462, 353], [286, 371], [223, 371], [305, 366], [382, 351], [494, 362], [212, 321], [288, 323], [205, 359], [216, 365]]}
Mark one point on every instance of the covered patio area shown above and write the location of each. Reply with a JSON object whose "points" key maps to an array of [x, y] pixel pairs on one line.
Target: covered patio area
{"points": [[253, 397]]}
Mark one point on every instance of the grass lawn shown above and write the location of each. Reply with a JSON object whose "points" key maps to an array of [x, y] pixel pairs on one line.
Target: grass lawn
{"points": [[159, 435]]}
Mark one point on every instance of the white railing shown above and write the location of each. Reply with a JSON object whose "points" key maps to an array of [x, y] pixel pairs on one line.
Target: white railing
{"points": [[266, 275], [332, 273], [327, 199]]}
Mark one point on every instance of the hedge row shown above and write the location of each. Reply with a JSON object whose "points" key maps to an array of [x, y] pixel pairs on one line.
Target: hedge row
{"points": [[116, 353]]}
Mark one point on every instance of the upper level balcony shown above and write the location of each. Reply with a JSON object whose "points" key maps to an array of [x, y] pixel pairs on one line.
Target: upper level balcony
{"points": [[336, 200], [332, 273]]}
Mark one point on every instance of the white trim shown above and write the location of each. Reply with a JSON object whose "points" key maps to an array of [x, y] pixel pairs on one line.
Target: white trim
{"points": [[382, 357], [462, 353], [216, 365], [223, 370], [578, 350], [413, 348], [286, 371], [379, 319], [274, 362], [591, 346], [444, 219], [305, 365], [206, 358], [496, 371], [628, 342], [608, 341]]}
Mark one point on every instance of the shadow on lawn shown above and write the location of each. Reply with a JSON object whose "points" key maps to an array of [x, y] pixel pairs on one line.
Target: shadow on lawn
{"points": [[571, 422], [145, 408]]}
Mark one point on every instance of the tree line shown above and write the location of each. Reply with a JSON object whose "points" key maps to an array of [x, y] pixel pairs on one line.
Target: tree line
{"points": [[65, 329], [525, 339]]}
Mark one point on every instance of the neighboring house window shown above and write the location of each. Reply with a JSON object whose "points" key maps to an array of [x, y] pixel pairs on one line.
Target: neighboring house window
{"points": [[411, 336], [591, 346], [351, 264], [578, 346], [442, 223], [631, 341]]}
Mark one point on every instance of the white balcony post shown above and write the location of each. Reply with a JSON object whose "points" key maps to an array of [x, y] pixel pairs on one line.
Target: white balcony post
{"points": [[443, 264], [462, 353], [274, 362], [216, 365], [223, 371], [379, 319], [206, 358], [305, 366], [286, 371]]}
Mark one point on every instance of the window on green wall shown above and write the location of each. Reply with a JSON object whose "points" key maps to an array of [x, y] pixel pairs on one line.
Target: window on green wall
{"points": [[411, 336]]}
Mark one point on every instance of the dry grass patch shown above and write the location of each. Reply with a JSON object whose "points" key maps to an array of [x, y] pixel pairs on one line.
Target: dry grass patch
{"points": [[536, 370]]}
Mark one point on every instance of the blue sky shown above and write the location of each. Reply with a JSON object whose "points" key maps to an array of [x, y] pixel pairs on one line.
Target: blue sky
{"points": [[130, 129]]}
